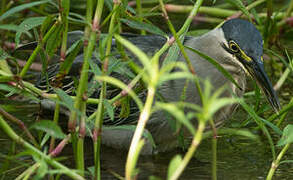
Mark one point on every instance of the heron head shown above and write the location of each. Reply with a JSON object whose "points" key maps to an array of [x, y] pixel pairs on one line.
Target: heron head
{"points": [[245, 43]]}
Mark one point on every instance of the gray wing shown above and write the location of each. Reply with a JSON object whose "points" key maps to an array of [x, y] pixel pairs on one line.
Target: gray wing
{"points": [[149, 44]]}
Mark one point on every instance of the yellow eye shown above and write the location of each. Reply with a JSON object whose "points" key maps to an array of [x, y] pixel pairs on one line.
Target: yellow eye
{"points": [[234, 47]]}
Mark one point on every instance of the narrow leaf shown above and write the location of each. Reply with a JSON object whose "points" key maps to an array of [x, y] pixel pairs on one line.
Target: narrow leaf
{"points": [[287, 135], [47, 23], [27, 25], [240, 5], [9, 27], [271, 125], [143, 26], [73, 51], [54, 41], [175, 162], [49, 127], [65, 98], [16, 9], [177, 113], [173, 52], [3, 54], [216, 64], [109, 109], [135, 50], [286, 161]]}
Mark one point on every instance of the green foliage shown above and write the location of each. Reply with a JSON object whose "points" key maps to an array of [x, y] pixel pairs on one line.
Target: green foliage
{"points": [[174, 163], [240, 5], [49, 127], [19, 8], [178, 114], [3, 54], [27, 25], [143, 26], [9, 27], [216, 64], [287, 136], [54, 40], [109, 109], [47, 21]]}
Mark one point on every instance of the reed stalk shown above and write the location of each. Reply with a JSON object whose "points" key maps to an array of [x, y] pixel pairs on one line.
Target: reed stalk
{"points": [[276, 162]]}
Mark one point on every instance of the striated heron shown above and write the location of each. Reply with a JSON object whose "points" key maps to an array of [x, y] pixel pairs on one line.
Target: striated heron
{"points": [[237, 46]]}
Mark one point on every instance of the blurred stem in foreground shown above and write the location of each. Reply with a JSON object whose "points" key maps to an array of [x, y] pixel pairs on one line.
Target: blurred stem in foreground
{"points": [[194, 144], [145, 113], [276, 162]]}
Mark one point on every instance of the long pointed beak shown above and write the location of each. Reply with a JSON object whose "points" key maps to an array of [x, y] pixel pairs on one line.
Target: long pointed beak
{"points": [[256, 70]]}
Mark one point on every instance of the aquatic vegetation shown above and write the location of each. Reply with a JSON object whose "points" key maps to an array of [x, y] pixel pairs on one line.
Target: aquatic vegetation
{"points": [[40, 47]]}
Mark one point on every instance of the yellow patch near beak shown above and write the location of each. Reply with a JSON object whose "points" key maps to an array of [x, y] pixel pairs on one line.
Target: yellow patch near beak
{"points": [[244, 56]]}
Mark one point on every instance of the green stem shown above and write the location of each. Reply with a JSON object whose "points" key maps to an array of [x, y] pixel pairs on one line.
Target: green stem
{"points": [[288, 13], [145, 114], [195, 9], [214, 149], [217, 12], [37, 50], [282, 79], [55, 97], [139, 11], [285, 109], [65, 5], [55, 120], [3, 6], [191, 150], [276, 162], [93, 36], [39, 92], [269, 9], [7, 129], [99, 117], [97, 135], [80, 101], [214, 166], [254, 4], [80, 156], [289, 10], [83, 81], [64, 14], [143, 118], [27, 173], [20, 124], [80, 141], [184, 29]]}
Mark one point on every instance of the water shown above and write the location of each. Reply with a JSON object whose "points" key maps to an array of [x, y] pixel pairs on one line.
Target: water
{"points": [[238, 157]]}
